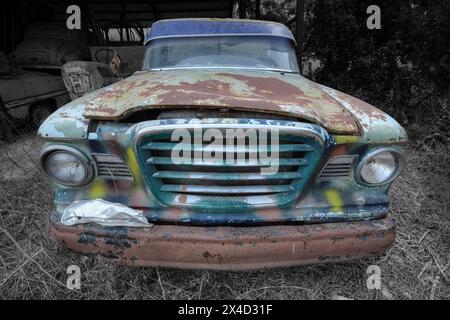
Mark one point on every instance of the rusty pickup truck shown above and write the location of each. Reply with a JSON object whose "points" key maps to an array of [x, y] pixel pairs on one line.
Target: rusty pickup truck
{"points": [[218, 154]]}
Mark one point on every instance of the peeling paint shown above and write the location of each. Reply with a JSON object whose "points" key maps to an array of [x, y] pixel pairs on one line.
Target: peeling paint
{"points": [[270, 92], [377, 126]]}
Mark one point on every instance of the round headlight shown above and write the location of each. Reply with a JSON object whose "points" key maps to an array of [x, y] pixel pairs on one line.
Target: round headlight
{"points": [[67, 167], [380, 166]]}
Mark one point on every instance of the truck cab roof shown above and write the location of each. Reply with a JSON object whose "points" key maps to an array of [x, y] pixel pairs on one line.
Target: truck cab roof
{"points": [[212, 27]]}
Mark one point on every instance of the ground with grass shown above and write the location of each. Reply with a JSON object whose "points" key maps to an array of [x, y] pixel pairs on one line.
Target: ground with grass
{"points": [[416, 267]]}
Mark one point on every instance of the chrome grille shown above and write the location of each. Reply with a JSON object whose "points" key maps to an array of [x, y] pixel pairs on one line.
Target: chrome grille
{"points": [[221, 185]]}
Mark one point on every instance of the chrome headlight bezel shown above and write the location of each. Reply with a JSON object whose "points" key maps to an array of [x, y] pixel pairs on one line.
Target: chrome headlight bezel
{"points": [[399, 160], [87, 163]]}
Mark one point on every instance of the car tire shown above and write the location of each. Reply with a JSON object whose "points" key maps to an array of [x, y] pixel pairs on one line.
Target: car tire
{"points": [[39, 113]]}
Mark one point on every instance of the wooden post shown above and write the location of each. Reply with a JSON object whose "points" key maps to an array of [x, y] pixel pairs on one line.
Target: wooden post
{"points": [[258, 9], [242, 9], [300, 29]]}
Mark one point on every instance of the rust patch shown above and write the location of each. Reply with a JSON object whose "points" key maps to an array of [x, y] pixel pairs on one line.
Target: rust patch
{"points": [[289, 95], [234, 248]]}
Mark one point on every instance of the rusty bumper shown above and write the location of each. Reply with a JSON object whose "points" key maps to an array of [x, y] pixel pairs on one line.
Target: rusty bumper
{"points": [[230, 248]]}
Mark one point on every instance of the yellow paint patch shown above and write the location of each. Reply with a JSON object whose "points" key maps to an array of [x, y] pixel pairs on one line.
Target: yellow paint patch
{"points": [[334, 199], [346, 139], [98, 190], [134, 166]]}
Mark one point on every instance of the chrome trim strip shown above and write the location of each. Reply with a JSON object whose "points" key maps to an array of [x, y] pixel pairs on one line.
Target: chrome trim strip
{"points": [[300, 130], [220, 67]]}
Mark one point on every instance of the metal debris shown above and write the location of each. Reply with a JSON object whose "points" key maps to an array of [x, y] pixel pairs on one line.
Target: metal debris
{"points": [[104, 213]]}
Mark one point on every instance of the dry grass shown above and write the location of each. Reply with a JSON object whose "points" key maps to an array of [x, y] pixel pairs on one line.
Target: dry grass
{"points": [[416, 267]]}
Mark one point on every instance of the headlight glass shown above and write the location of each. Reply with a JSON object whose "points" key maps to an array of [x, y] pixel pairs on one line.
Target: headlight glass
{"points": [[66, 168], [380, 168]]}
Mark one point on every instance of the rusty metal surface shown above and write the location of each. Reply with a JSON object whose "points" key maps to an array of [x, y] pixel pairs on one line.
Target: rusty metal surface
{"points": [[230, 248], [349, 119], [270, 92]]}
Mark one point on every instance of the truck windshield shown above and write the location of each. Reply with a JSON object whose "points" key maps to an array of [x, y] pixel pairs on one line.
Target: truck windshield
{"points": [[241, 52]]}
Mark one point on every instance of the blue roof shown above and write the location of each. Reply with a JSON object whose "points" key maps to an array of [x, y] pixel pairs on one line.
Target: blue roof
{"points": [[202, 27]]}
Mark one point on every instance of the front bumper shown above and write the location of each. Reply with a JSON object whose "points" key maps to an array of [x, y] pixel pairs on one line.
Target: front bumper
{"points": [[230, 248]]}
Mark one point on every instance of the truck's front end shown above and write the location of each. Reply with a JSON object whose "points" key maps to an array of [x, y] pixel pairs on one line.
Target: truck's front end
{"points": [[234, 159]]}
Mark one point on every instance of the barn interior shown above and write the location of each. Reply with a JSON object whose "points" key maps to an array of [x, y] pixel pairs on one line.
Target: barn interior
{"points": [[48, 57], [17, 16]]}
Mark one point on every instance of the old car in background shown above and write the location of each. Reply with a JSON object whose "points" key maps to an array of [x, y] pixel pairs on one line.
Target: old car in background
{"points": [[49, 45], [117, 54], [124, 190], [27, 95], [124, 38]]}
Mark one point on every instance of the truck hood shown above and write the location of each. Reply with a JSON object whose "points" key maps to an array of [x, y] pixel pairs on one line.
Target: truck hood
{"points": [[261, 91]]}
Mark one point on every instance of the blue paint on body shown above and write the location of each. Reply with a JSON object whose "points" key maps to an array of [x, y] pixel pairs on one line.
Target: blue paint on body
{"points": [[214, 27]]}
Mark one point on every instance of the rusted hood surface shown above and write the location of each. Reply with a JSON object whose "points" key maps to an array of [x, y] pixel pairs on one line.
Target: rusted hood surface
{"points": [[263, 91]]}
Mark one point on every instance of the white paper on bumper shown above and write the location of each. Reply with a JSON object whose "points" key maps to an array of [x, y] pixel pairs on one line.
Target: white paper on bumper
{"points": [[103, 213]]}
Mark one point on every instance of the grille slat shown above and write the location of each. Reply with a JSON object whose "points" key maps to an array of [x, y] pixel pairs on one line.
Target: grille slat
{"points": [[225, 176], [112, 165], [330, 170], [168, 146], [224, 163], [106, 167], [109, 172], [226, 190]]}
